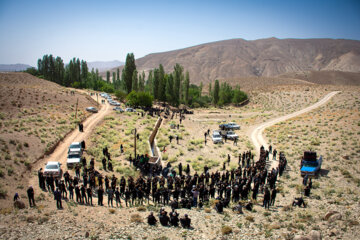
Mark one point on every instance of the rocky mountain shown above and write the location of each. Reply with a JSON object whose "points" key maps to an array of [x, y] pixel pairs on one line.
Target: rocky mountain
{"points": [[260, 58], [104, 65], [13, 67]]}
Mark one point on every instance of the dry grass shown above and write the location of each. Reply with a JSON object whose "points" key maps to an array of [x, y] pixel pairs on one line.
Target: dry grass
{"points": [[136, 218]]}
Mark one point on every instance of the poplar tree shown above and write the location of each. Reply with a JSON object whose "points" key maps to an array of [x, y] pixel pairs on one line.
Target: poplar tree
{"points": [[108, 76], [135, 81], [186, 87], [216, 91], [129, 69]]}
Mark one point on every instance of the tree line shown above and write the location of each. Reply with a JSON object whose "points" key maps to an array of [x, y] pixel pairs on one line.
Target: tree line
{"points": [[173, 88]]}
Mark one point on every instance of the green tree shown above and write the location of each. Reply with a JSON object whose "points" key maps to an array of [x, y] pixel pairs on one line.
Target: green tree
{"points": [[114, 78], [156, 83], [201, 88], [117, 74], [135, 80], [210, 90], [216, 92], [139, 99], [142, 82], [108, 76], [186, 87], [129, 69], [178, 75]]}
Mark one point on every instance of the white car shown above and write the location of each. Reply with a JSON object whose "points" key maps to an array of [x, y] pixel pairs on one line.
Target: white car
{"points": [[231, 135], [92, 109], [216, 137], [73, 159], [130, 110], [53, 169], [75, 147], [233, 126], [118, 109]]}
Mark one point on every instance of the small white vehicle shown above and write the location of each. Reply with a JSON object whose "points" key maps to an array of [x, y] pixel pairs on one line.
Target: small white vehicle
{"points": [[119, 109], [75, 147], [91, 109], [216, 137], [231, 135], [73, 159], [53, 169], [233, 126], [130, 110]]}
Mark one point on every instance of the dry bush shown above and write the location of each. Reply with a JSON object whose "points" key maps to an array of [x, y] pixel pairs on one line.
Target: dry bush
{"points": [[136, 218], [225, 230], [111, 210], [141, 209], [207, 210], [287, 208], [250, 218]]}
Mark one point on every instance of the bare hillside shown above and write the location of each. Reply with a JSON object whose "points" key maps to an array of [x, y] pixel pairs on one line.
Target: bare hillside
{"points": [[265, 57]]}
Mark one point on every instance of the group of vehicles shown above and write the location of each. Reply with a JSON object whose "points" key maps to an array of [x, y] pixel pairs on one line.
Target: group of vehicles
{"points": [[226, 131], [75, 152]]}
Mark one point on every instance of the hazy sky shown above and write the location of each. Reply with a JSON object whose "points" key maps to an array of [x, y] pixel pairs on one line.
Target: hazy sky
{"points": [[108, 30]]}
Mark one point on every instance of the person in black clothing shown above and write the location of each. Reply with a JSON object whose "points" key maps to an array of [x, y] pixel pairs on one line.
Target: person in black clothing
{"points": [[117, 197], [164, 218], [104, 163], [57, 197], [83, 144], [71, 191], [100, 196], [266, 202], [83, 195], [177, 139], [151, 219], [273, 197], [30, 193], [298, 202], [16, 197], [219, 207], [185, 221], [174, 218], [89, 195], [307, 191]]}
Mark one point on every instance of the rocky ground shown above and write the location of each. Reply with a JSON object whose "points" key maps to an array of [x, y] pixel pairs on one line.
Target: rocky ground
{"points": [[333, 208]]}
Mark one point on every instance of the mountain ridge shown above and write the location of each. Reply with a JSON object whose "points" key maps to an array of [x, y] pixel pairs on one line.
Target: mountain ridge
{"points": [[267, 57]]}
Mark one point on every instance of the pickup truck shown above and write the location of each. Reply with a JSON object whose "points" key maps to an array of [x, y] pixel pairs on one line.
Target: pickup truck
{"points": [[310, 164], [73, 159]]}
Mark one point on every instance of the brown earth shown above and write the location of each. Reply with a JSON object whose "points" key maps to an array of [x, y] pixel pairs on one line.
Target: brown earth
{"points": [[35, 115], [269, 57], [332, 130]]}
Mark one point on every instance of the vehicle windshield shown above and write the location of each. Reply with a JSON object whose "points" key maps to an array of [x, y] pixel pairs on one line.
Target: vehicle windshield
{"points": [[51, 167], [74, 156], [310, 164], [231, 133], [75, 146], [216, 135]]}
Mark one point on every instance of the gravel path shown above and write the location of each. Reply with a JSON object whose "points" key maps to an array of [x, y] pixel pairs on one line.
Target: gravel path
{"points": [[256, 134]]}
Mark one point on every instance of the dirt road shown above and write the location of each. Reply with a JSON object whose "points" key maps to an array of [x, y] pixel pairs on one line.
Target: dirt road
{"points": [[60, 153], [256, 134]]}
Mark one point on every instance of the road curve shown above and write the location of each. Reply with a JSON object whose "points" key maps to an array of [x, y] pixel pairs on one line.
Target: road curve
{"points": [[256, 134]]}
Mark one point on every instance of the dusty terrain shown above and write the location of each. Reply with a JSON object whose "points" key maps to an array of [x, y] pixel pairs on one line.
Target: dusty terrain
{"points": [[35, 114], [332, 129]]}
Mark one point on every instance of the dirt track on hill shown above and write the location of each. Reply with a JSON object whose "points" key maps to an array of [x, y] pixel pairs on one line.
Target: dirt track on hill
{"points": [[256, 133], [60, 153]]}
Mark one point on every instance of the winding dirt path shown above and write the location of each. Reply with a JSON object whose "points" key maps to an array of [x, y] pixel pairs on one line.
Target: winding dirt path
{"points": [[256, 133], [60, 153]]}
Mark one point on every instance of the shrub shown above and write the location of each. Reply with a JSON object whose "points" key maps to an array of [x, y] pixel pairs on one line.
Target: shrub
{"points": [[141, 209], [136, 218], [111, 210], [225, 230], [207, 210], [250, 218], [165, 156]]}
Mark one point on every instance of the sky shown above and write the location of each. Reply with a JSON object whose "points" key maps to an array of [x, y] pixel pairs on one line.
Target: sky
{"points": [[109, 29]]}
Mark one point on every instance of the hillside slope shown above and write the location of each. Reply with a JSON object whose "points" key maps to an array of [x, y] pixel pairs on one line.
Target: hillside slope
{"points": [[265, 57]]}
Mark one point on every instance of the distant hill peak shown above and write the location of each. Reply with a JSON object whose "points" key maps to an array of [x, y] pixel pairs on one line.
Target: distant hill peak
{"points": [[14, 67], [267, 57]]}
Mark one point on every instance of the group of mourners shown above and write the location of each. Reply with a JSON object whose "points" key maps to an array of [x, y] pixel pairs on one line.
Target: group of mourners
{"points": [[172, 219]]}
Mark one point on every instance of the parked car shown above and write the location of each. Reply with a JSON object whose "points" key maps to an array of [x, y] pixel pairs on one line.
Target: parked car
{"points": [[53, 169], [130, 110], [216, 137], [73, 159], [223, 126], [118, 109], [75, 147], [91, 109], [233, 126], [231, 135]]}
